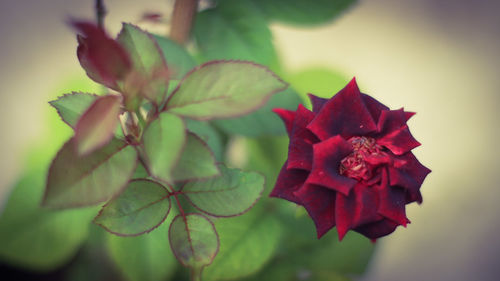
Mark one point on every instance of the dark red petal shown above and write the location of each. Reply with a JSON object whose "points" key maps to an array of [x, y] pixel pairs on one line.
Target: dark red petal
{"points": [[411, 175], [374, 106], [300, 150], [376, 159], [320, 204], [394, 133], [317, 102], [399, 142], [377, 229], [391, 201], [104, 59], [287, 183], [287, 116], [390, 121], [358, 208], [344, 114], [408, 115], [326, 163]]}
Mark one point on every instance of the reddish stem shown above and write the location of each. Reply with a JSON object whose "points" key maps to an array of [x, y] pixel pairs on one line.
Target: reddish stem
{"points": [[182, 20], [179, 204]]}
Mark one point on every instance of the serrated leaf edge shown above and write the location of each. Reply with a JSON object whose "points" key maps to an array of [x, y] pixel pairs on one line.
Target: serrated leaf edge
{"points": [[143, 232], [183, 216], [73, 93], [119, 190], [264, 100], [186, 195], [211, 154]]}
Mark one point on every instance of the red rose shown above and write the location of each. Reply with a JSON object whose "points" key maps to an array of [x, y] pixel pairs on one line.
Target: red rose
{"points": [[350, 164]]}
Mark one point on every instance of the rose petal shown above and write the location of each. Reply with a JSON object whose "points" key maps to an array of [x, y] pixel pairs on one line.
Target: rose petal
{"points": [[374, 106], [300, 150], [104, 59], [287, 116], [410, 176], [344, 114], [400, 141], [377, 229], [320, 204], [377, 159], [390, 121], [288, 181], [391, 201], [408, 115], [358, 208], [317, 102], [394, 133], [326, 163]]}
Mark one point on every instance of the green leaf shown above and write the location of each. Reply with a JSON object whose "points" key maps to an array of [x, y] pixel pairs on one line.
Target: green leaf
{"points": [[300, 12], [164, 140], [230, 194], [35, 238], [234, 29], [247, 243], [96, 126], [75, 181], [71, 106], [142, 207], [193, 240], [223, 89], [209, 135], [146, 257], [196, 161], [140, 172], [262, 122], [178, 59], [151, 77]]}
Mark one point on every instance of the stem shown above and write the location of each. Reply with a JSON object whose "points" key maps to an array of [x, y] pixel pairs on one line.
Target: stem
{"points": [[100, 13], [181, 210], [182, 20], [196, 273]]}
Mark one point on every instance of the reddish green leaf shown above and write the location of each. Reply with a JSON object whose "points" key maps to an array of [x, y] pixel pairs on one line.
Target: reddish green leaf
{"points": [[193, 240], [196, 162], [151, 77], [96, 126], [209, 135], [75, 181], [222, 89], [164, 140], [142, 207], [104, 60], [71, 106], [230, 194]]}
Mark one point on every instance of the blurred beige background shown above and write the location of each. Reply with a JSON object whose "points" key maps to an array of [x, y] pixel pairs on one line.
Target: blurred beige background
{"points": [[438, 58]]}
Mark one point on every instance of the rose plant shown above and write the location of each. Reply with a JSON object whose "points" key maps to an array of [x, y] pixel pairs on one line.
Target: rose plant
{"points": [[350, 164], [98, 163], [145, 158]]}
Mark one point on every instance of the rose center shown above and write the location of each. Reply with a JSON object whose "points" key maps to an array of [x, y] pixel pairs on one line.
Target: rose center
{"points": [[355, 165]]}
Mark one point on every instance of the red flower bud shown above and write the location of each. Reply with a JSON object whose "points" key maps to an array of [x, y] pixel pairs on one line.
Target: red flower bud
{"points": [[350, 164], [103, 58]]}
